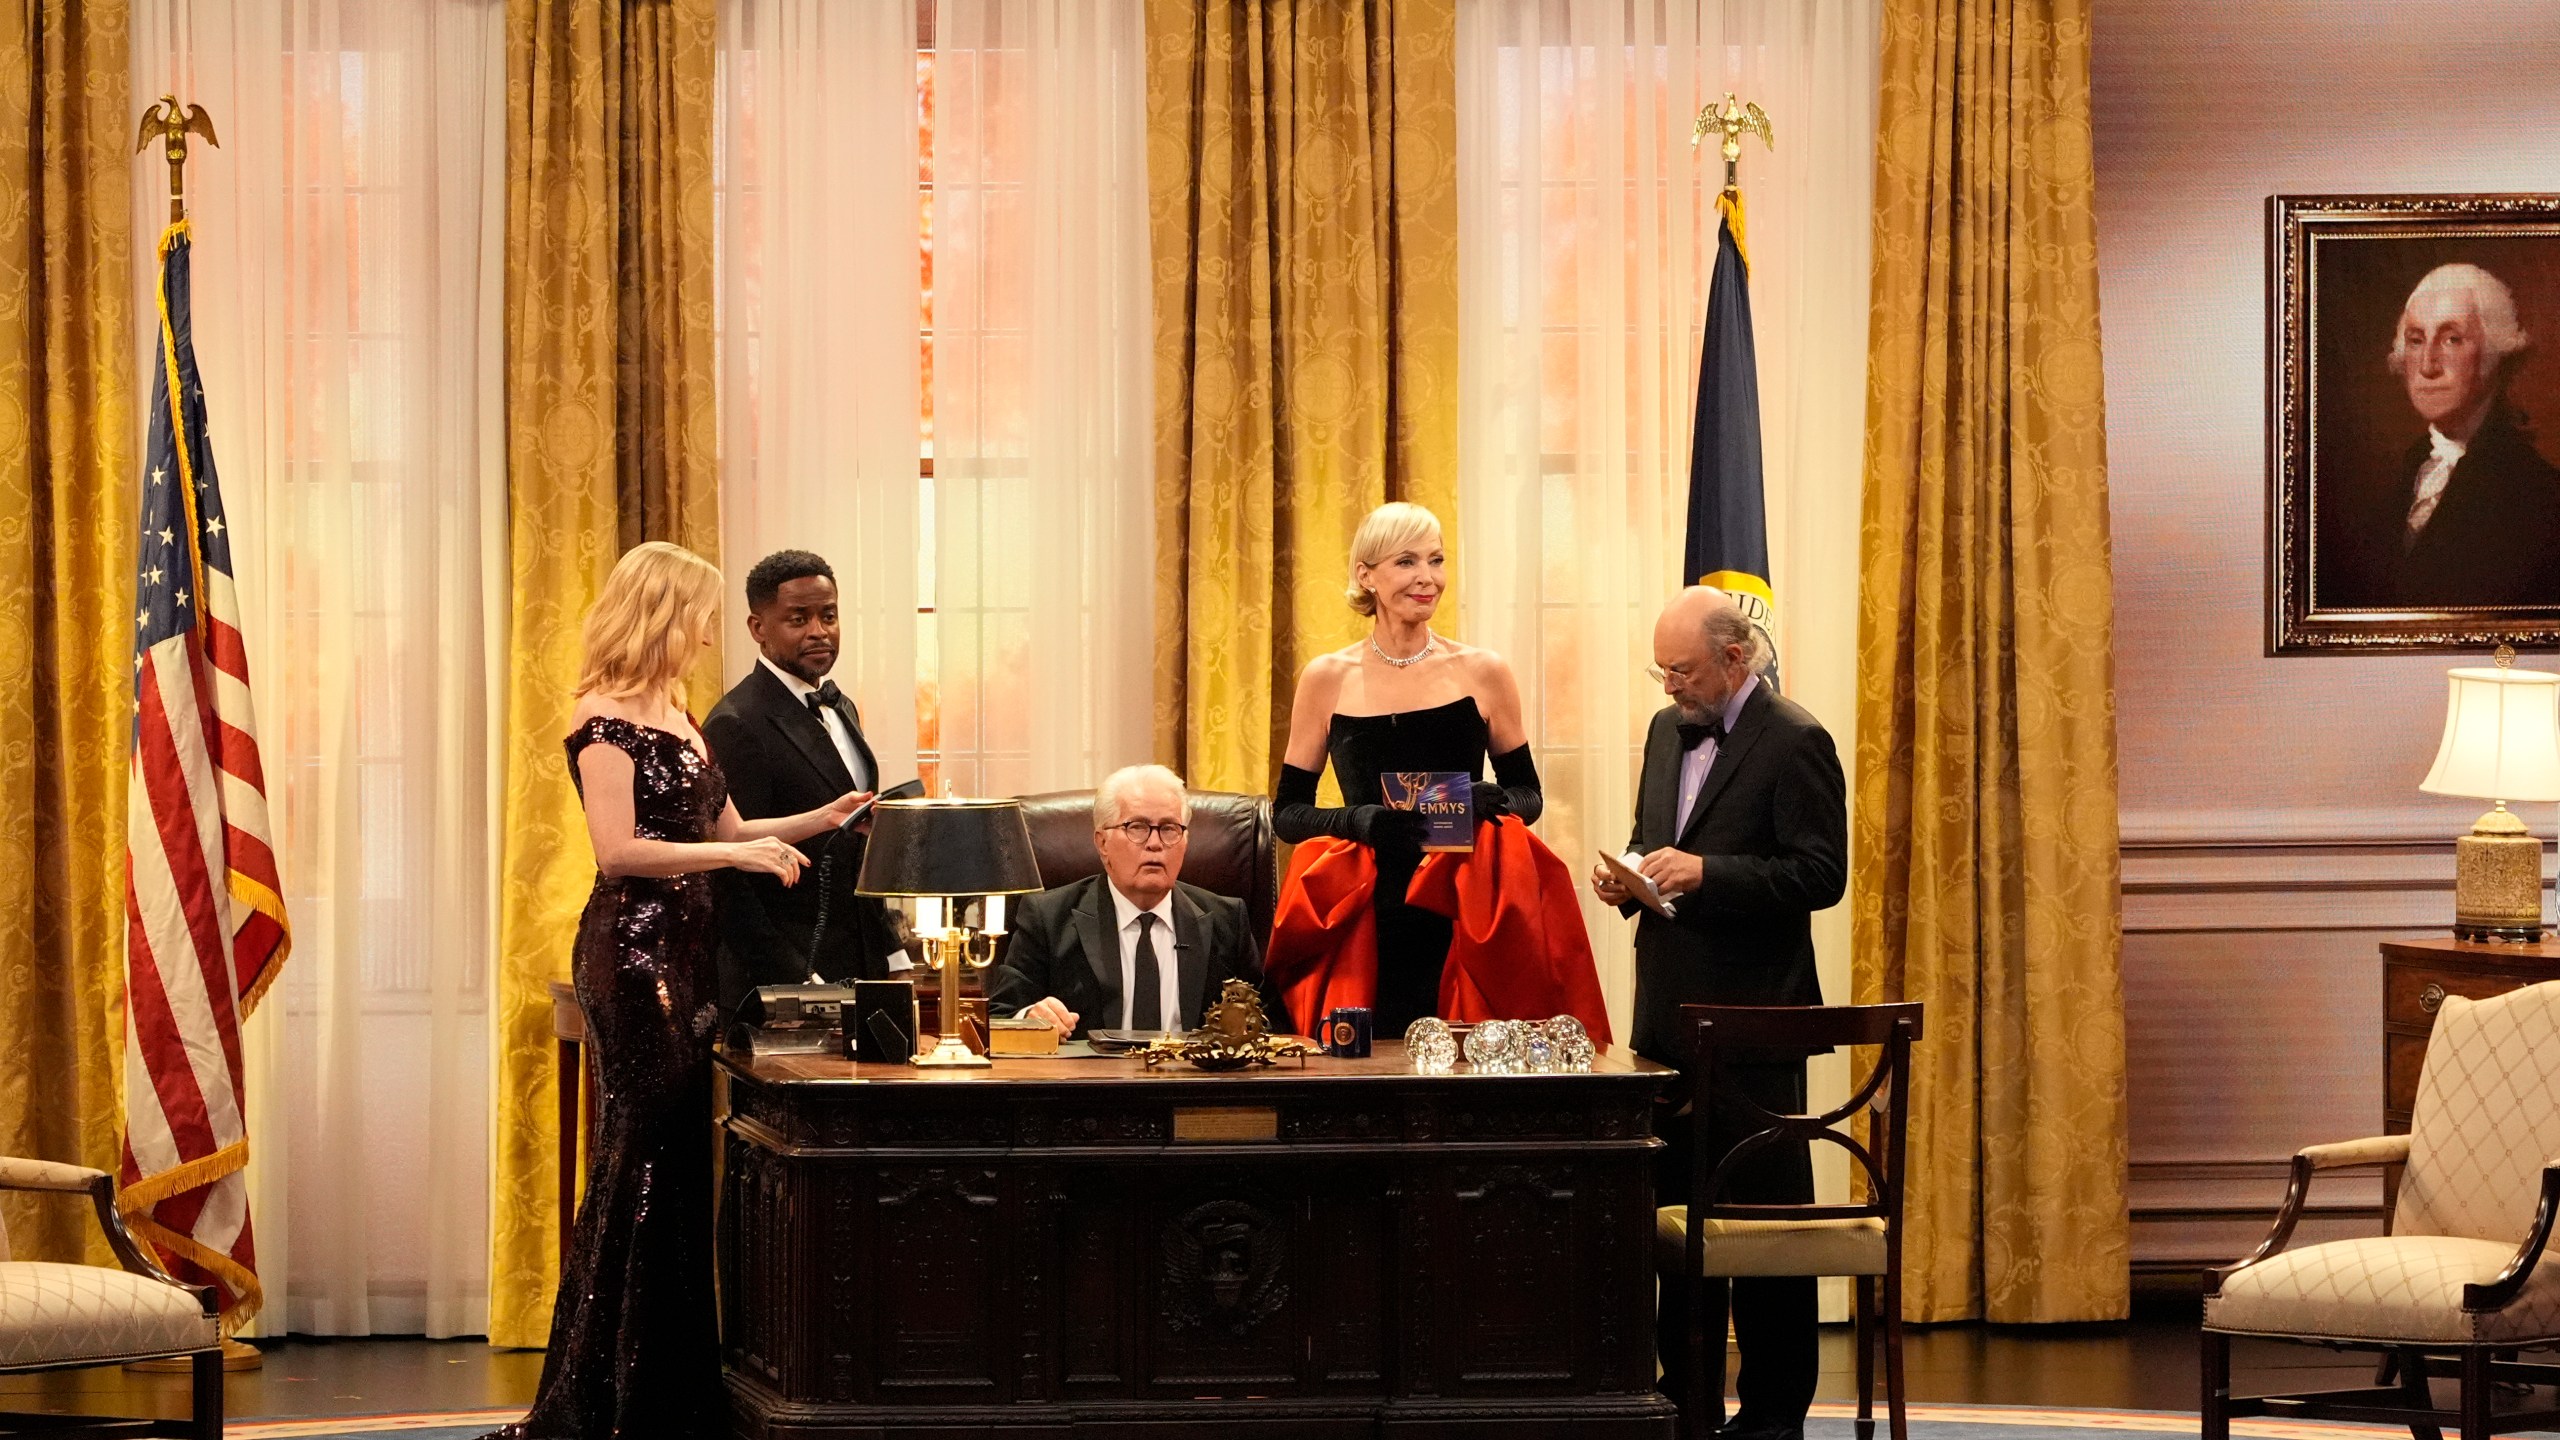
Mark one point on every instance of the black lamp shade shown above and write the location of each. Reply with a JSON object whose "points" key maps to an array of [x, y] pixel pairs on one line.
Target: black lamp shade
{"points": [[948, 847]]}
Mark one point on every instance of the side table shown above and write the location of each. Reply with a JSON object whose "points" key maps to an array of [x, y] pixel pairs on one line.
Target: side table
{"points": [[2417, 975]]}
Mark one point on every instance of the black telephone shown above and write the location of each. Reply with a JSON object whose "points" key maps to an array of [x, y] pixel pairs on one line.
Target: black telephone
{"points": [[905, 790]]}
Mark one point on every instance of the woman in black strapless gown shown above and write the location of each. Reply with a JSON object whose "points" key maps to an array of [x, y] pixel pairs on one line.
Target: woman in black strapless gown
{"points": [[634, 1350], [1403, 699]]}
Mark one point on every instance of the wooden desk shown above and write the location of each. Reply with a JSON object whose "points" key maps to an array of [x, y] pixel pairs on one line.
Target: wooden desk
{"points": [[1079, 1246], [2416, 977]]}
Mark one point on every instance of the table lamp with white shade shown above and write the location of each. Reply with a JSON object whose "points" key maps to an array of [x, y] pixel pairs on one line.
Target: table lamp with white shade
{"points": [[2501, 743]]}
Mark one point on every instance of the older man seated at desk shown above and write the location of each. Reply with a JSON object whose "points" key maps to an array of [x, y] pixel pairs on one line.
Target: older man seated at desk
{"points": [[1132, 948]]}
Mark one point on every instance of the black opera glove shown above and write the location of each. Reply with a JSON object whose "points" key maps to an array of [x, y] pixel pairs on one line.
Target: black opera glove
{"points": [[1513, 790], [1296, 818]]}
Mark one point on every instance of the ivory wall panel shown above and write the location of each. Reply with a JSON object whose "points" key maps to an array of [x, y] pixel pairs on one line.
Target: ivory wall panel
{"points": [[2274, 833]]}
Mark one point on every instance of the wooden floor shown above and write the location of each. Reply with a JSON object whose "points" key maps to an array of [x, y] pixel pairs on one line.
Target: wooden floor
{"points": [[2148, 1363]]}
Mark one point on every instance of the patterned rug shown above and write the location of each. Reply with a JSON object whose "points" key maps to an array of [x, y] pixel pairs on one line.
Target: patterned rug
{"points": [[1829, 1422]]}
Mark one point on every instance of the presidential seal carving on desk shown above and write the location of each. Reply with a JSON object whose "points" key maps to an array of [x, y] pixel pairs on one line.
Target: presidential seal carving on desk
{"points": [[1232, 1035], [1222, 1268]]}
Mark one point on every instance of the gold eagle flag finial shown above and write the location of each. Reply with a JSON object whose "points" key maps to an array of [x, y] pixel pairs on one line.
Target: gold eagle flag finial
{"points": [[1733, 120], [173, 125]]}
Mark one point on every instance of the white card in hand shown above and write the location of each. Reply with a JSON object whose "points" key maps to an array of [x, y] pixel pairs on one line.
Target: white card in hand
{"points": [[1623, 869]]}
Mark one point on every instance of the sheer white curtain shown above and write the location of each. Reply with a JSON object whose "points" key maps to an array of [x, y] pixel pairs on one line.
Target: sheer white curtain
{"points": [[347, 291], [1042, 377], [1586, 233], [821, 309]]}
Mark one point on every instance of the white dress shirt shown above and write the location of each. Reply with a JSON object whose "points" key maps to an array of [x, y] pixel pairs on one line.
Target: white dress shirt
{"points": [[837, 729], [1695, 764], [2436, 473], [1168, 978]]}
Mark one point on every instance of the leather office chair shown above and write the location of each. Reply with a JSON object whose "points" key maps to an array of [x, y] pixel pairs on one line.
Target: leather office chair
{"points": [[1233, 851]]}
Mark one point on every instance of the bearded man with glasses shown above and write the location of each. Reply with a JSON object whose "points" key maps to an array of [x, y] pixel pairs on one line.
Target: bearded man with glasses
{"points": [[1742, 820], [1132, 948]]}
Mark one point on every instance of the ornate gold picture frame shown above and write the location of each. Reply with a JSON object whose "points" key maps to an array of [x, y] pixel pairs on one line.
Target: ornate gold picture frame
{"points": [[2413, 346]]}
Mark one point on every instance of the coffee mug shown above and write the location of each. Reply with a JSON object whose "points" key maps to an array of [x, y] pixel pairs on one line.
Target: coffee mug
{"points": [[1346, 1032]]}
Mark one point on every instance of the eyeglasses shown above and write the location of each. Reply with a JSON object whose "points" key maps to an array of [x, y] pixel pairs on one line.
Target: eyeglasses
{"points": [[1168, 834], [1664, 676]]}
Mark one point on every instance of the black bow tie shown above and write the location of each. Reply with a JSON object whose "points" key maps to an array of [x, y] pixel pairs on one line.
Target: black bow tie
{"points": [[1692, 736], [824, 698]]}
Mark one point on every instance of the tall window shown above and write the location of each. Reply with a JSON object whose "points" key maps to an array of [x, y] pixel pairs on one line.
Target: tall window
{"points": [[1019, 504], [347, 285], [928, 636]]}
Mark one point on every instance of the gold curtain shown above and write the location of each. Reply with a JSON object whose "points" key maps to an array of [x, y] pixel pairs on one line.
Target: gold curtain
{"points": [[611, 440], [1305, 227], [66, 576], [1985, 880]]}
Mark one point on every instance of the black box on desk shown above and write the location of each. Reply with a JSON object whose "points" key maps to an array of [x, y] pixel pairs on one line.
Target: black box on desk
{"points": [[881, 1029]]}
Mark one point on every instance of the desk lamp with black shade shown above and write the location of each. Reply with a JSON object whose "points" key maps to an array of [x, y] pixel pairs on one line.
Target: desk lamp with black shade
{"points": [[2501, 743], [939, 854]]}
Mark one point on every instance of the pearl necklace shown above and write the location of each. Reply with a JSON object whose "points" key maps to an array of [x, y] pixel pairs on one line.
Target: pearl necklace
{"points": [[1413, 659]]}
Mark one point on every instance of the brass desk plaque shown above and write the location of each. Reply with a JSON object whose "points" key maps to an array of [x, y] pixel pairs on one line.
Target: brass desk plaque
{"points": [[1195, 1124]]}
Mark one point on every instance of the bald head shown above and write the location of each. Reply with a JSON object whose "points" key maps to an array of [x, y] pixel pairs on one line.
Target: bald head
{"points": [[1709, 615], [1702, 649]]}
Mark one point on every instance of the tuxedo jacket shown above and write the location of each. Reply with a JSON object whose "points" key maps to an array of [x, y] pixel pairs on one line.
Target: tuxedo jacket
{"points": [[1772, 827], [1065, 942], [779, 760], [2494, 538]]}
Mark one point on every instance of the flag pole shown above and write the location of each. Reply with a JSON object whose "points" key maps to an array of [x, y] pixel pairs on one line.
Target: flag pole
{"points": [[1728, 542], [1733, 120], [171, 126]]}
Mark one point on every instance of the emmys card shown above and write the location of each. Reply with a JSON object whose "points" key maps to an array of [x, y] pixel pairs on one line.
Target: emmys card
{"points": [[1445, 799]]}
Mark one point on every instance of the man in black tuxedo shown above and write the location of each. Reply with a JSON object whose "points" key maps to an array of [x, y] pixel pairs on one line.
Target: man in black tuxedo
{"points": [[1132, 948], [1742, 821], [788, 740]]}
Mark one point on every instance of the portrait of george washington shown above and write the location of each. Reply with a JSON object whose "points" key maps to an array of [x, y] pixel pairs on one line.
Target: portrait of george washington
{"points": [[2414, 501]]}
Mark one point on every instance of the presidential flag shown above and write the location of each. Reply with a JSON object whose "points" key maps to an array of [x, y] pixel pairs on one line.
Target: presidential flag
{"points": [[1728, 525], [205, 929]]}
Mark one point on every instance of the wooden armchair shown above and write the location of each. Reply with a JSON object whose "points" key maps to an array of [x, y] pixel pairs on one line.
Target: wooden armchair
{"points": [[57, 1317], [1719, 1239], [2461, 1281]]}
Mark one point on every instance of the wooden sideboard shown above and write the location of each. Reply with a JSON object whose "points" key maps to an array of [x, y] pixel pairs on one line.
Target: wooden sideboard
{"points": [[1083, 1246], [2417, 975]]}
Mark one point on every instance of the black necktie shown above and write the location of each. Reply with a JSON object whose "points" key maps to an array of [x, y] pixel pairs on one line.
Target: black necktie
{"points": [[1146, 1008], [823, 699], [1692, 736]]}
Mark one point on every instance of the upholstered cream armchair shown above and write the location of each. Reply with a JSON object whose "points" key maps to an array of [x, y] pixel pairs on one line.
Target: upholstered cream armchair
{"points": [[55, 1316], [2461, 1280]]}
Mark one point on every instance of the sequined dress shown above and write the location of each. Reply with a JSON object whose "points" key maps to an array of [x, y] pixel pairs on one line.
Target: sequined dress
{"points": [[1413, 944], [634, 1344]]}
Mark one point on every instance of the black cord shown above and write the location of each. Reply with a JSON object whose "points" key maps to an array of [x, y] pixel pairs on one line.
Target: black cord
{"points": [[826, 894]]}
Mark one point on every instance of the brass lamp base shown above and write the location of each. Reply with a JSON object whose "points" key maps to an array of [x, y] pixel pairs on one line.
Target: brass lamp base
{"points": [[951, 1053], [950, 952], [2497, 881]]}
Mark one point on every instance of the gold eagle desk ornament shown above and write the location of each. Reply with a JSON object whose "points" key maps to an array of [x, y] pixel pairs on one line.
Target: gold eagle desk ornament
{"points": [[1233, 1035]]}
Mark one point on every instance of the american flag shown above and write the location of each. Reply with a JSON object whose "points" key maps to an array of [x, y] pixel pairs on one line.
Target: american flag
{"points": [[205, 929]]}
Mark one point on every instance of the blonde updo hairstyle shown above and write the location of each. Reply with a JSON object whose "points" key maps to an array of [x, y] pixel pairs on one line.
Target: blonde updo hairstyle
{"points": [[1390, 530], [647, 626]]}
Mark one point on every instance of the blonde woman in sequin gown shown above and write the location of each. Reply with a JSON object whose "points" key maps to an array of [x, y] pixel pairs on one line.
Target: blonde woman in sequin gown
{"points": [[634, 1346]]}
